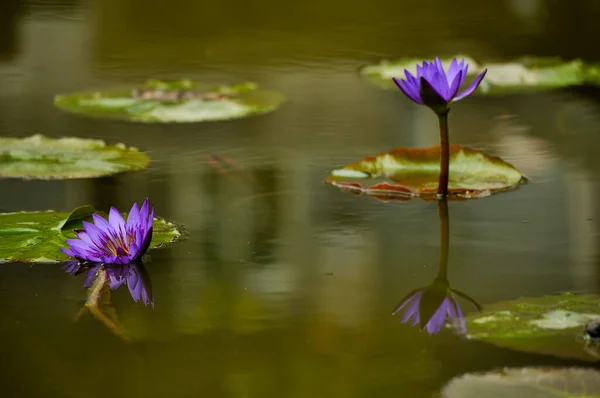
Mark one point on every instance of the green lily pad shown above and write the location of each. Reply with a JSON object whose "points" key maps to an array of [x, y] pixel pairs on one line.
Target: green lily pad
{"points": [[381, 74], [525, 74], [38, 236], [41, 158], [178, 101], [551, 325], [526, 383], [406, 173]]}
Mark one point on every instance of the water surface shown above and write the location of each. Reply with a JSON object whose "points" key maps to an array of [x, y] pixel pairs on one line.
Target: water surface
{"points": [[285, 286]]}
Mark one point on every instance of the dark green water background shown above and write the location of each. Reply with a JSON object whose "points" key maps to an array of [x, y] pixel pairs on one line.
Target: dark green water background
{"points": [[285, 286]]}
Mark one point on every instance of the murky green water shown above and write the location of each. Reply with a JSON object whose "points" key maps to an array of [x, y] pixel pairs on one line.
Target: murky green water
{"points": [[285, 286]]}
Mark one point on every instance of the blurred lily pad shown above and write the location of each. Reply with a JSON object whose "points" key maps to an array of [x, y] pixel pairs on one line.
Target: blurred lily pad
{"points": [[177, 101], [526, 383], [381, 74], [525, 74], [38, 236], [406, 173], [42, 158], [551, 325]]}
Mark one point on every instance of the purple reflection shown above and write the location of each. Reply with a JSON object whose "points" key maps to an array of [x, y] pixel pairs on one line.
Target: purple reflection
{"points": [[134, 275]]}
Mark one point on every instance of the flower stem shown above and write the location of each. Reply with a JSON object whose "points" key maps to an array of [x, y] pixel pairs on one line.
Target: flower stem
{"points": [[445, 154]]}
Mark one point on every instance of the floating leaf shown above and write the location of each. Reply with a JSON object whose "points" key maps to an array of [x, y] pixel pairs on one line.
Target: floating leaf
{"points": [[43, 158], [524, 74], [38, 236], [178, 101], [381, 74], [405, 173], [526, 383], [552, 325]]}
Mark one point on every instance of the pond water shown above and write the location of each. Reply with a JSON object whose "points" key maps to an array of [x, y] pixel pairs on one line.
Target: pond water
{"points": [[285, 286]]}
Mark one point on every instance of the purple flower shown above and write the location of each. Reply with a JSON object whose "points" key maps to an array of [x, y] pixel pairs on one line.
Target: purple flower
{"points": [[435, 88], [114, 241], [432, 307]]}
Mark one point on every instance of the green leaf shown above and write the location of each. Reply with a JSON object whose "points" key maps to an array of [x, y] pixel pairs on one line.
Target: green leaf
{"points": [[177, 101], [381, 74], [38, 236], [42, 158], [525, 74], [78, 215], [405, 173], [526, 383], [551, 325]]}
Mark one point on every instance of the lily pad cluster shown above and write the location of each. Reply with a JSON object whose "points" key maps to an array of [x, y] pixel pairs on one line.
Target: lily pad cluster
{"points": [[519, 75], [178, 101], [43, 158], [39, 236]]}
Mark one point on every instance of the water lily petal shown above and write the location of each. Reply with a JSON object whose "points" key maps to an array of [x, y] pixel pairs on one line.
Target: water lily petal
{"points": [[472, 87], [133, 218], [453, 70], [406, 91], [102, 224], [116, 220], [455, 85]]}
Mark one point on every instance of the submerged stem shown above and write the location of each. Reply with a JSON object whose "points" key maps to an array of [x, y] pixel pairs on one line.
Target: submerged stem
{"points": [[444, 154]]}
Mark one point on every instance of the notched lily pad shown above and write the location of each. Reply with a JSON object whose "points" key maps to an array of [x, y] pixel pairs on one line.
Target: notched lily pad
{"points": [[176, 101], [38, 236], [551, 325], [526, 383], [406, 173], [525, 74], [42, 158]]}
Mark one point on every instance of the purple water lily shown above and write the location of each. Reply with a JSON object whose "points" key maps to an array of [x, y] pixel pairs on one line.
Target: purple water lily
{"points": [[114, 241], [433, 87], [437, 89], [431, 307], [134, 275]]}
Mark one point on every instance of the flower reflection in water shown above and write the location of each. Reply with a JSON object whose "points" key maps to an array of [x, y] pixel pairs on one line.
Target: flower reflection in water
{"points": [[430, 307], [101, 279]]}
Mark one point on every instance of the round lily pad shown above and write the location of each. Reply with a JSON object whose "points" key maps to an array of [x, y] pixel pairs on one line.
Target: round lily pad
{"points": [[525, 74], [41, 158], [39, 236], [526, 383], [177, 101], [551, 325], [406, 173]]}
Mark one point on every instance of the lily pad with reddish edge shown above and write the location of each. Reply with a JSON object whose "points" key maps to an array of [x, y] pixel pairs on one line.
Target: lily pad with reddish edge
{"points": [[406, 173]]}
